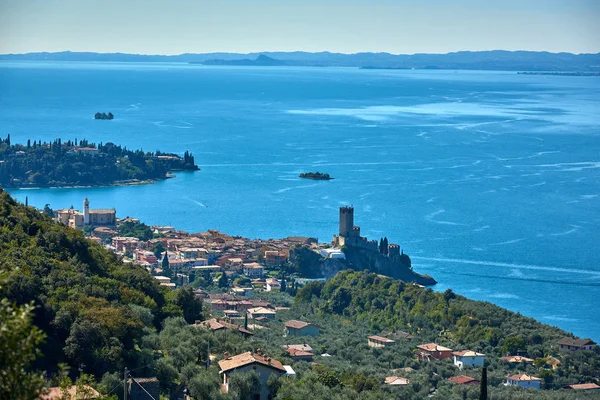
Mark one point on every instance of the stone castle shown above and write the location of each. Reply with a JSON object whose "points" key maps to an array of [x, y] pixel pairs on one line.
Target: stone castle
{"points": [[349, 235]]}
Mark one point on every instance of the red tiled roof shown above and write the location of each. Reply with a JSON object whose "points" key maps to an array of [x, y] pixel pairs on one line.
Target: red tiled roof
{"points": [[249, 358], [299, 353], [523, 377], [381, 339], [584, 386], [215, 325], [297, 324], [463, 380], [516, 359], [433, 347]]}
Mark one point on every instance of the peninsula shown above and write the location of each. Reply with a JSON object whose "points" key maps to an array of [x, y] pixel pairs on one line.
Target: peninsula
{"points": [[82, 163], [317, 176]]}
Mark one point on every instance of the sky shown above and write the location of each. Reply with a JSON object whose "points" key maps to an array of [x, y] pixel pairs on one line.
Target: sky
{"points": [[346, 26]]}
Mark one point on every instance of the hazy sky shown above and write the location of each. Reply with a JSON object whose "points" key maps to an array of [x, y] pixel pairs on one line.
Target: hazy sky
{"points": [[348, 26]]}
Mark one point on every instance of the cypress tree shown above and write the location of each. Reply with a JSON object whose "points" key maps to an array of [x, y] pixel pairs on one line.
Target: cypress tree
{"points": [[483, 389], [165, 265]]}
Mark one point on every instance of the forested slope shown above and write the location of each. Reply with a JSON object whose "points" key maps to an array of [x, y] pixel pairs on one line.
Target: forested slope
{"points": [[94, 309]]}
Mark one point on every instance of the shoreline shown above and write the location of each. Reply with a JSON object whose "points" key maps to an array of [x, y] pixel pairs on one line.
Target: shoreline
{"points": [[137, 183]]}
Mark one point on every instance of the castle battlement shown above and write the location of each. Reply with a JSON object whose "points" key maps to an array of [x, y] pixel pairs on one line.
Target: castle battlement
{"points": [[349, 235]]}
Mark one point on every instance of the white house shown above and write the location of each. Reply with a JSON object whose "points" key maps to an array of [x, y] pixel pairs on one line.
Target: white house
{"points": [[468, 358], [272, 285], [524, 381]]}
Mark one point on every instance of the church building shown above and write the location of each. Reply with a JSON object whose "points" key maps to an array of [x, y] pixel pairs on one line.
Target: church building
{"points": [[76, 219]]}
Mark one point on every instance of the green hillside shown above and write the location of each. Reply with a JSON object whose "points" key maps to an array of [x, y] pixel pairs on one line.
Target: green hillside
{"points": [[94, 313]]}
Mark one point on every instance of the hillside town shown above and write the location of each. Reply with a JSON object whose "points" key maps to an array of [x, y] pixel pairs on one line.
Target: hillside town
{"points": [[236, 273]]}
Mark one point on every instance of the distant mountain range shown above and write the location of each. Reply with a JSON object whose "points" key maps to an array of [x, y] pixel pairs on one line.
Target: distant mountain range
{"points": [[474, 60]]}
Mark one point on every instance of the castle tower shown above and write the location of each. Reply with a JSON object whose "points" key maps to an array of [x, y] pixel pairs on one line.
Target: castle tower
{"points": [[86, 211], [346, 221]]}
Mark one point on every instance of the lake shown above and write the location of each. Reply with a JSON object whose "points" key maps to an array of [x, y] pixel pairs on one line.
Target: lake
{"points": [[488, 180]]}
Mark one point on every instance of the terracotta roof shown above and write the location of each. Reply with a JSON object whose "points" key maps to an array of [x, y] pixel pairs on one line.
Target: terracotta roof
{"points": [[261, 310], [299, 353], [247, 358], [584, 386], [567, 341], [396, 380], [297, 324], [467, 353], [433, 347], [381, 339], [523, 377], [216, 324], [305, 347], [463, 380], [516, 359]]}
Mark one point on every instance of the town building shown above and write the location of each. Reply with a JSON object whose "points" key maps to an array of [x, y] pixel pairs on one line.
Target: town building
{"points": [[140, 388], [273, 257], [396, 380], [464, 380], [300, 355], [570, 344], [125, 245], [379, 341], [261, 312], [272, 285], [516, 359], [263, 365], [300, 328], [585, 387], [468, 358], [433, 350], [303, 347], [218, 324], [332, 253], [524, 381], [253, 270], [77, 219]]}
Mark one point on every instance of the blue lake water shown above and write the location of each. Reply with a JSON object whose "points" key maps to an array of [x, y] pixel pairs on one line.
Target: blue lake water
{"points": [[489, 180]]}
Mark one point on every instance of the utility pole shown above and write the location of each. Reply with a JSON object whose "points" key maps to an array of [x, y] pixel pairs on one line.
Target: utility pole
{"points": [[125, 374]]}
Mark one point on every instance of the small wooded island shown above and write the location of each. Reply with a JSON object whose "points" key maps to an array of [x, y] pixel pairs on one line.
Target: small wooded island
{"points": [[317, 176], [81, 163], [104, 116]]}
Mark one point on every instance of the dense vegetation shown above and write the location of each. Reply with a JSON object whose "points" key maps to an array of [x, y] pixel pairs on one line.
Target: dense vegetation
{"points": [[108, 116], [95, 313], [94, 310], [317, 176], [74, 163]]}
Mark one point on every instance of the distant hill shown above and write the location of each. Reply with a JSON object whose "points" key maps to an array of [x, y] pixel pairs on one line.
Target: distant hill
{"points": [[261, 60], [471, 60]]}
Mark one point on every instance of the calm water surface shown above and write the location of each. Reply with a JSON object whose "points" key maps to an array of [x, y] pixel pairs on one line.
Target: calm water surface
{"points": [[489, 180]]}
